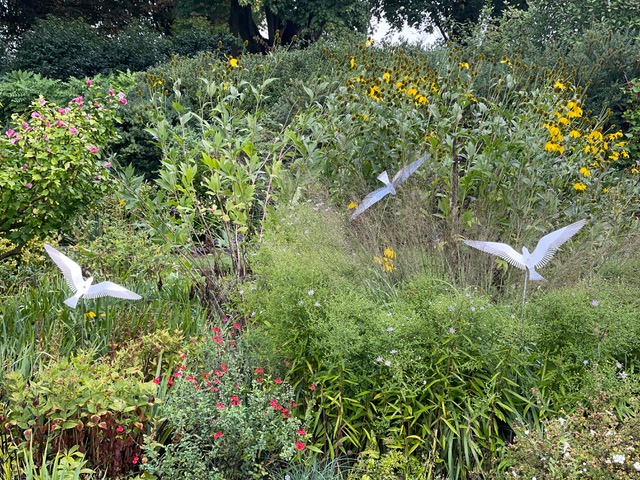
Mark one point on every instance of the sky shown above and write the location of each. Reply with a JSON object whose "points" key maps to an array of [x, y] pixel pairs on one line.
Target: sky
{"points": [[382, 30]]}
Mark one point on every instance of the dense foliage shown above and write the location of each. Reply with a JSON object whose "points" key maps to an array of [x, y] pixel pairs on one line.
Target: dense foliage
{"points": [[278, 339]]}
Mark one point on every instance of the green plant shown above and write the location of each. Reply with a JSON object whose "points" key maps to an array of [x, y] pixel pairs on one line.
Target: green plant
{"points": [[50, 165], [80, 402], [229, 419]]}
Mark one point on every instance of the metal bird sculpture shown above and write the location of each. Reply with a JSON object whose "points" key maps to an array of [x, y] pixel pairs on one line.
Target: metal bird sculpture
{"points": [[81, 287], [529, 261], [389, 186]]}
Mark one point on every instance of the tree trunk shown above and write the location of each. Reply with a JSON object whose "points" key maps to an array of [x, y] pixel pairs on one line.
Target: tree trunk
{"points": [[241, 24]]}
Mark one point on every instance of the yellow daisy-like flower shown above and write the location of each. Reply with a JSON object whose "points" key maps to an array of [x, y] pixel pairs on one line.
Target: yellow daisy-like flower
{"points": [[374, 92], [579, 186], [605, 190], [585, 171], [559, 86], [506, 60], [564, 121], [352, 63], [574, 110], [464, 65], [574, 134], [233, 62], [412, 91], [365, 117], [634, 170], [90, 314], [352, 205], [421, 99], [389, 253], [595, 136], [120, 202], [386, 76], [368, 43]]}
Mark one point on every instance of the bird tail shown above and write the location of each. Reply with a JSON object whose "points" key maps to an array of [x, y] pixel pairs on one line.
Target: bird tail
{"points": [[72, 301], [535, 276]]}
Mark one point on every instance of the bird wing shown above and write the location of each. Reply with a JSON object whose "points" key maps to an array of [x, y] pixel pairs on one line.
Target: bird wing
{"points": [[111, 289], [502, 250], [70, 269], [406, 171], [370, 199], [384, 178], [549, 244]]}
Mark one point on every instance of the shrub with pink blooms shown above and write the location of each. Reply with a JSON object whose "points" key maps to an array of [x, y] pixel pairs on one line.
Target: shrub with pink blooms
{"points": [[230, 419], [52, 164]]}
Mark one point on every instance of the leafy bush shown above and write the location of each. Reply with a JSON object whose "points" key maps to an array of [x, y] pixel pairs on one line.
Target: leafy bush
{"points": [[80, 402], [49, 164], [229, 419], [594, 441]]}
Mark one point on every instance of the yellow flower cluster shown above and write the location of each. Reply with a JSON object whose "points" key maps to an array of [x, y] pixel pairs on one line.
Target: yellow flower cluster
{"points": [[386, 261], [564, 134]]}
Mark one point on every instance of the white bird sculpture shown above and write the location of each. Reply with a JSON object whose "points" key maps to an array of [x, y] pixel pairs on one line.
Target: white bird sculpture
{"points": [[543, 253], [81, 287], [389, 186], [529, 261]]}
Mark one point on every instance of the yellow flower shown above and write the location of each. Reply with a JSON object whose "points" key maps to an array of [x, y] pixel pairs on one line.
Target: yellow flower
{"points": [[579, 186], [506, 60], [120, 202], [464, 65], [614, 156], [574, 110], [472, 98], [563, 121], [412, 91], [365, 117], [352, 205], [352, 63], [421, 99], [374, 92], [589, 149], [389, 253], [233, 62], [585, 171], [90, 314], [605, 190], [368, 43], [634, 170], [559, 86], [574, 133], [624, 154], [386, 76], [399, 84], [553, 130], [595, 136]]}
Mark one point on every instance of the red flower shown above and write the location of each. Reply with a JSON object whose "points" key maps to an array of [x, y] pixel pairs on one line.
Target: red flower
{"points": [[177, 374], [234, 400], [237, 325], [299, 445], [217, 435], [218, 373], [120, 429], [190, 378], [259, 370], [213, 390], [274, 404], [156, 380], [224, 367], [215, 329], [220, 406], [218, 339], [302, 431], [278, 381], [259, 379], [312, 387], [136, 459], [285, 413], [286, 362], [183, 356]]}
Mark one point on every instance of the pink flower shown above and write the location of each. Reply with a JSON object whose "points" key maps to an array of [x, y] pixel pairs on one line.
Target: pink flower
{"points": [[235, 400], [237, 326], [299, 445], [302, 431], [156, 380], [220, 406], [29, 185], [312, 387], [107, 165], [42, 101], [278, 381], [111, 92], [217, 435], [36, 115], [136, 459], [259, 370], [24, 167], [120, 429], [60, 123], [26, 126], [92, 148], [73, 130], [62, 111], [122, 100], [10, 133], [89, 82]]}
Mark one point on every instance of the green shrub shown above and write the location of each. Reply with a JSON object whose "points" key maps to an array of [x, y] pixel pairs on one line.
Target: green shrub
{"points": [[50, 167], [79, 402], [229, 419]]}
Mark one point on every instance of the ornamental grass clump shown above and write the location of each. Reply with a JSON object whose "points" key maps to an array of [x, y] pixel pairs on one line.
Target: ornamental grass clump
{"points": [[229, 418]]}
